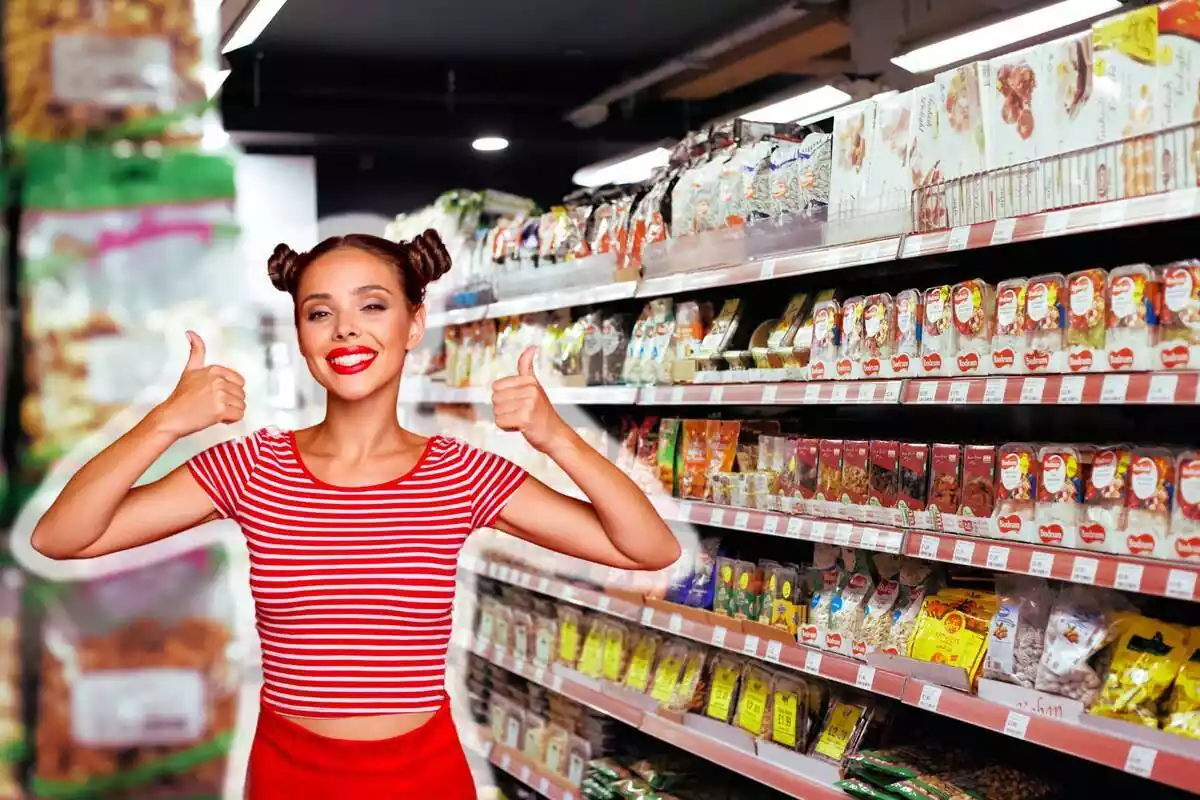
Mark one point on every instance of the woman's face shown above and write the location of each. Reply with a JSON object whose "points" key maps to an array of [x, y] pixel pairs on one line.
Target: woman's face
{"points": [[354, 323]]}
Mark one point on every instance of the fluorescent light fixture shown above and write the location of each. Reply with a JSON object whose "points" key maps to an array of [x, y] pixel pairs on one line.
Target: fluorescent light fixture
{"points": [[1002, 34], [214, 80], [801, 105], [252, 24], [631, 168], [490, 144]]}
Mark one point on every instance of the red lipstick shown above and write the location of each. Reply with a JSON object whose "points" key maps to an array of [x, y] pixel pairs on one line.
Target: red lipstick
{"points": [[350, 360]]}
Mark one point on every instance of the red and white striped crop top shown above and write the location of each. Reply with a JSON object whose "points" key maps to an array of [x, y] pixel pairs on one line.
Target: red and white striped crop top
{"points": [[353, 586]]}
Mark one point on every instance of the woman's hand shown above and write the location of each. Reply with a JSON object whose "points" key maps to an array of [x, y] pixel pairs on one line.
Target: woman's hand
{"points": [[520, 404], [203, 397]]}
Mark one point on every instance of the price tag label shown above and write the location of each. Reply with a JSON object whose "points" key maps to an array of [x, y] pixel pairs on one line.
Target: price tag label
{"points": [[812, 394], [794, 527], [526, 579], [929, 546], [741, 520], [1084, 570], [993, 391], [840, 392], [717, 517], [647, 616], [773, 651], [717, 394], [817, 532], [870, 539], [556, 683], [568, 594], [675, 623], [842, 534], [1129, 577], [964, 551], [812, 662], [771, 524], [526, 774], [768, 270], [997, 558], [1032, 390], [930, 697], [1140, 760], [1181, 584], [866, 678], [1002, 231], [677, 395], [1016, 724], [959, 391], [1113, 389], [505, 762], [1042, 564], [544, 786], [605, 603], [891, 392], [866, 393], [750, 647], [1054, 223], [1070, 391], [1112, 214], [543, 586], [539, 675], [1162, 388], [769, 394], [959, 237], [718, 636], [519, 665], [926, 391]]}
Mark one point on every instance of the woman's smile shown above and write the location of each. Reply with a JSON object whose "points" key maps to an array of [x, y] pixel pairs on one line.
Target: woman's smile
{"points": [[350, 360]]}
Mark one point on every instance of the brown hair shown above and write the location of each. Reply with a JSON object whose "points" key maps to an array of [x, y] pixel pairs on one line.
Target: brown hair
{"points": [[420, 262]]}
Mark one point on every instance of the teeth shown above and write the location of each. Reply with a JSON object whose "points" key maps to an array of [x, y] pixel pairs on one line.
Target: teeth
{"points": [[350, 361]]}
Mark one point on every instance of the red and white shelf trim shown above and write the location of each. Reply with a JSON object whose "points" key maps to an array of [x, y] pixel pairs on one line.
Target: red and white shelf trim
{"points": [[526, 771], [1159, 388]]}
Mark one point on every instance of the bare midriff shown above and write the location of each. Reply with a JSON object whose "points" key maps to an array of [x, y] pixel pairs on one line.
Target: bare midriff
{"points": [[364, 729]]}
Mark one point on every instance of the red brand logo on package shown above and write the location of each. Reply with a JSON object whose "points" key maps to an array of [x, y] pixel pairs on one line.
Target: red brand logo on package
{"points": [[1003, 358], [1037, 359], [833, 641], [844, 366], [1010, 524], [932, 362], [968, 362], [962, 295], [1175, 357], [1051, 534], [1121, 359], [1080, 361], [871, 367], [1141, 544], [900, 363], [808, 634], [1177, 279], [859, 649], [1093, 534], [1188, 548], [817, 372]]}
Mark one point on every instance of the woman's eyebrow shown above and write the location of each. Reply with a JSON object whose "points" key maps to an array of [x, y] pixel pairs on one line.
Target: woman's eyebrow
{"points": [[373, 287]]}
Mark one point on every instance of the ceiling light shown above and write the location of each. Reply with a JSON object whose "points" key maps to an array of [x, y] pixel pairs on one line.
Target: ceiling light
{"points": [[797, 106], [490, 144], [631, 168], [1002, 34], [214, 80], [252, 24]]}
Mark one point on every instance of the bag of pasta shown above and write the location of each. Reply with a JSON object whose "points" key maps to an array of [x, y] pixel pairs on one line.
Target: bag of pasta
{"points": [[1145, 659], [1183, 705], [138, 692]]}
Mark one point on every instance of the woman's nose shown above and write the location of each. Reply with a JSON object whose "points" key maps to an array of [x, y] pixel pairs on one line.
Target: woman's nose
{"points": [[345, 332]]}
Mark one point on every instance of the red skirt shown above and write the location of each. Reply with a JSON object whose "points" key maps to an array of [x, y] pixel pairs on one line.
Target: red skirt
{"points": [[288, 762]]}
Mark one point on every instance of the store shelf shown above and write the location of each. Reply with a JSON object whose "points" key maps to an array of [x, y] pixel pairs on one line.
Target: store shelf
{"points": [[1158, 388], [561, 590], [533, 775], [768, 394], [429, 392], [456, 316]]}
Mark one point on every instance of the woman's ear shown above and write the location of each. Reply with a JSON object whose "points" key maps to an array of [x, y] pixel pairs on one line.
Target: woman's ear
{"points": [[416, 328]]}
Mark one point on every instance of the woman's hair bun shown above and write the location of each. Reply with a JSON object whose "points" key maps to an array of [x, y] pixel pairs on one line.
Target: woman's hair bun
{"points": [[281, 267], [428, 256]]}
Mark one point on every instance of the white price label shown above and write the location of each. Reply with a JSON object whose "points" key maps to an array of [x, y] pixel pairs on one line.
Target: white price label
{"points": [[717, 517], [539, 675], [526, 579], [769, 394], [891, 392], [741, 520], [1129, 577], [997, 558], [959, 391], [870, 539], [926, 391], [964, 551], [544, 786], [817, 533], [1032, 390], [840, 392], [1112, 214], [1016, 724], [842, 534], [866, 393], [1162, 388], [993, 391], [750, 647], [771, 524], [647, 616], [812, 662], [543, 586], [675, 623], [1041, 564], [768, 270], [526, 774], [866, 678], [556, 682], [717, 394], [959, 237], [1002, 231], [1055, 223], [812, 393], [1084, 570], [1140, 760], [773, 651], [718, 636], [1114, 388], [794, 527], [1181, 584], [677, 395], [568, 594], [929, 546], [505, 762], [605, 603], [1070, 391], [930, 697], [519, 665]]}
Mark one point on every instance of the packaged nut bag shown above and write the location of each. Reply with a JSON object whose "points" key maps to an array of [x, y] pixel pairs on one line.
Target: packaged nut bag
{"points": [[139, 682]]}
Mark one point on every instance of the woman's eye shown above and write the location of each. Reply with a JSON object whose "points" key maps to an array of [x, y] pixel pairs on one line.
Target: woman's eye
{"points": [[315, 315], [375, 307]]}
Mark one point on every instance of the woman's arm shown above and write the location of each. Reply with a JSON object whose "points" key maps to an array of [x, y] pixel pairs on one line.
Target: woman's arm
{"points": [[99, 512], [619, 527]]}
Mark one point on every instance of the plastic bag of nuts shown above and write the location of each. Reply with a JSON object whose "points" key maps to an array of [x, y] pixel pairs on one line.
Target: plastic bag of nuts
{"points": [[1017, 637], [138, 691], [128, 65]]}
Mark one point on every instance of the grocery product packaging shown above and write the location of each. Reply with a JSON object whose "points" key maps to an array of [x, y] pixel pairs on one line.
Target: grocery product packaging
{"points": [[854, 137], [908, 323], [963, 140], [891, 178], [1125, 61], [1179, 321], [13, 748], [826, 340], [912, 494], [939, 337], [1177, 107], [1011, 339], [1046, 320], [945, 484], [1185, 522], [1060, 495], [924, 157], [1016, 491], [974, 313], [879, 332], [1081, 623], [1105, 495], [1018, 101], [1134, 301], [1146, 657], [1148, 504], [952, 629], [1076, 124], [1017, 636], [855, 484], [1182, 709], [1087, 320]]}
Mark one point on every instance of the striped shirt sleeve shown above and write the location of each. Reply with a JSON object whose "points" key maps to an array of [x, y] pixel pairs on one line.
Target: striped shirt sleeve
{"points": [[493, 479], [223, 471]]}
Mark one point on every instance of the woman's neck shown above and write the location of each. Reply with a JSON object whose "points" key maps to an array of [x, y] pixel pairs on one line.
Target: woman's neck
{"points": [[361, 427]]}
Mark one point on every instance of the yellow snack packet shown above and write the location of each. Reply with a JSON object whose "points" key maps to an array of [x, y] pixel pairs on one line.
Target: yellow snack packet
{"points": [[1146, 657], [1183, 706]]}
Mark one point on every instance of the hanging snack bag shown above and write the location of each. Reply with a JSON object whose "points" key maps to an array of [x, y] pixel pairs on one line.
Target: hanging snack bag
{"points": [[826, 340], [1179, 328], [945, 483], [813, 631], [905, 614], [780, 599], [1182, 709], [1016, 491], [1148, 504], [1081, 624], [912, 492], [846, 614], [1011, 340], [1060, 495], [879, 325], [753, 713], [908, 321], [1133, 306], [1184, 542], [1087, 311], [974, 314], [1104, 500], [1017, 636], [939, 337], [1146, 657], [876, 625], [1046, 320], [724, 679]]}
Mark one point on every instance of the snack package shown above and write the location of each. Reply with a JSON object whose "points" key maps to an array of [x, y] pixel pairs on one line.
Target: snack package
{"points": [[853, 348], [1133, 306], [856, 457], [813, 631], [806, 482], [1182, 709], [829, 475], [826, 340], [1046, 321], [878, 327], [912, 494], [876, 625], [521, 635], [693, 478], [977, 500], [1105, 494], [939, 336], [952, 629], [1148, 504], [846, 612], [1179, 323], [905, 614], [1011, 340], [884, 481], [974, 314], [724, 679], [591, 655], [945, 482], [616, 650], [1016, 491], [667, 684], [789, 711], [843, 729], [1017, 636], [779, 607], [1060, 495], [907, 330], [753, 713], [1184, 542], [570, 624], [545, 641], [1081, 624], [747, 579], [1145, 659], [1087, 313]]}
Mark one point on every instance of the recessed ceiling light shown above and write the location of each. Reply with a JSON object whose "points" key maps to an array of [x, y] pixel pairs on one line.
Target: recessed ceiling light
{"points": [[490, 144], [630, 168]]}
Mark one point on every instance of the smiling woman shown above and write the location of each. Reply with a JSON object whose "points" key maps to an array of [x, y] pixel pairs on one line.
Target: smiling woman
{"points": [[354, 526]]}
